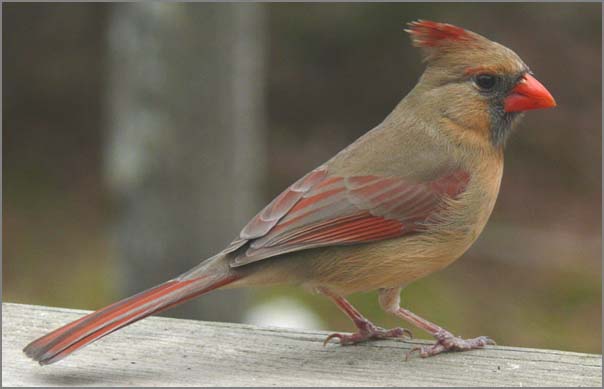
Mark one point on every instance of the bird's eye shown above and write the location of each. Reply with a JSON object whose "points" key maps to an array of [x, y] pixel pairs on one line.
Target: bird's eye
{"points": [[485, 81]]}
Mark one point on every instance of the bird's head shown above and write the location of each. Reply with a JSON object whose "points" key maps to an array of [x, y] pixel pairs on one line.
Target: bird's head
{"points": [[475, 83]]}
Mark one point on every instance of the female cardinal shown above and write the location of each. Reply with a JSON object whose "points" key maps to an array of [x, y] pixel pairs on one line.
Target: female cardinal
{"points": [[404, 200]]}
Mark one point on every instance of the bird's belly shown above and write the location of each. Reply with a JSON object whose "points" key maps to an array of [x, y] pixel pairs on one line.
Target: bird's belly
{"points": [[384, 264], [365, 267]]}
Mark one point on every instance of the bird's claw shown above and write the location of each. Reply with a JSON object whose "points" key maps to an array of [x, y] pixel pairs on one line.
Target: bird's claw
{"points": [[445, 341], [331, 336], [372, 333]]}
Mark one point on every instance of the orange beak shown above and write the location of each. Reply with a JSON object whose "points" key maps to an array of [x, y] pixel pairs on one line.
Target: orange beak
{"points": [[528, 94]]}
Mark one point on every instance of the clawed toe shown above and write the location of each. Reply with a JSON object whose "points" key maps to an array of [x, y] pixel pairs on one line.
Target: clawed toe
{"points": [[374, 333], [489, 341], [380, 333], [345, 339], [331, 336], [399, 333], [445, 341]]}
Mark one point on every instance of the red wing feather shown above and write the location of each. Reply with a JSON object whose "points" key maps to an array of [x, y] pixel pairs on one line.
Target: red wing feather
{"points": [[282, 204], [320, 211]]}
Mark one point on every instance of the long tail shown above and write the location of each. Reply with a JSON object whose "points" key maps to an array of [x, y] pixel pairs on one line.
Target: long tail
{"points": [[61, 342]]}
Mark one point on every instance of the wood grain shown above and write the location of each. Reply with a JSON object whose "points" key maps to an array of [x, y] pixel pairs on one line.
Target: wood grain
{"points": [[173, 352]]}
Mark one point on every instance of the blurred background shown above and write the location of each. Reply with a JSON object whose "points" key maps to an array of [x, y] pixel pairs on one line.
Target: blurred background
{"points": [[139, 139]]}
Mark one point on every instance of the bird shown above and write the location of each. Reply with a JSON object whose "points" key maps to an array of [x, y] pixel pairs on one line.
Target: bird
{"points": [[404, 200]]}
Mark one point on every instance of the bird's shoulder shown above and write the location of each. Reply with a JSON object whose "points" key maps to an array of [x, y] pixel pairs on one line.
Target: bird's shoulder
{"points": [[413, 151]]}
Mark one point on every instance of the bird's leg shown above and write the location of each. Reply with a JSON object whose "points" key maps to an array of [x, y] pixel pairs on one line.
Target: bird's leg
{"points": [[445, 341], [366, 329]]}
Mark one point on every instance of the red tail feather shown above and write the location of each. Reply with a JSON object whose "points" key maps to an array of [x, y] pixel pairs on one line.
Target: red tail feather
{"points": [[73, 336]]}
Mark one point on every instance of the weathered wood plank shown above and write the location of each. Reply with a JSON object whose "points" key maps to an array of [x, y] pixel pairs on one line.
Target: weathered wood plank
{"points": [[171, 352]]}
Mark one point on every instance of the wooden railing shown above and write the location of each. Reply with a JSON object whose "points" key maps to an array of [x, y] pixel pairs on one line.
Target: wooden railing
{"points": [[161, 351]]}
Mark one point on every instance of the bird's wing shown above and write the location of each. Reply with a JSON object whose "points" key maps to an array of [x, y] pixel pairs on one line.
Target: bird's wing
{"points": [[324, 210]]}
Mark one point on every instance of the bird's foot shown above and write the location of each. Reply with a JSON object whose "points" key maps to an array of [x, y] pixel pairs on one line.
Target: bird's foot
{"points": [[369, 331], [445, 341]]}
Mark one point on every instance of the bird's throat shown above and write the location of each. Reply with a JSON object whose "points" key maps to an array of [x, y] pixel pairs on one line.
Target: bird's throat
{"points": [[502, 125]]}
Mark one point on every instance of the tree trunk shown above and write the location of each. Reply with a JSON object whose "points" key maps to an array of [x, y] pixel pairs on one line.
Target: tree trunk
{"points": [[185, 150]]}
